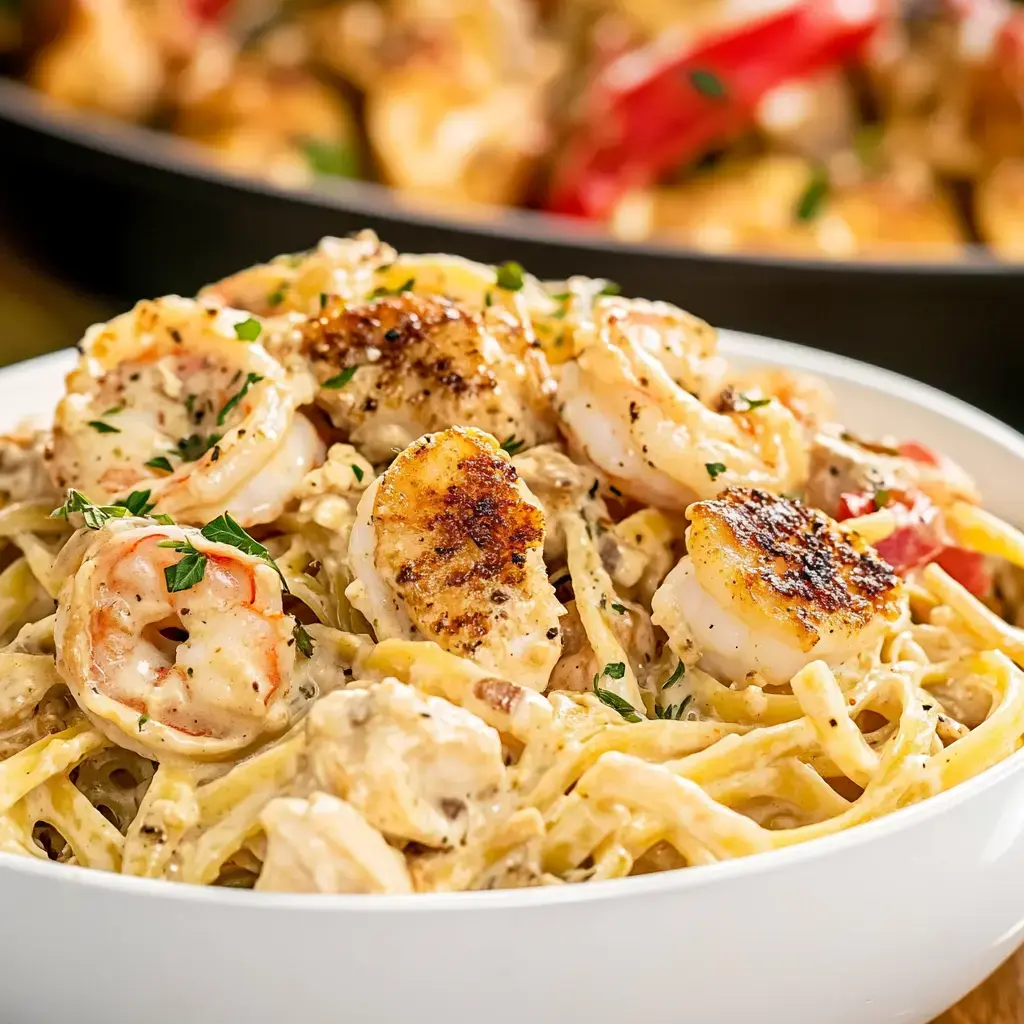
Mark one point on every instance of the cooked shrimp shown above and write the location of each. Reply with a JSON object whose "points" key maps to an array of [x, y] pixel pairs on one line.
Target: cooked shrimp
{"points": [[395, 368], [419, 768], [621, 408], [448, 546], [168, 397], [202, 672], [770, 585]]}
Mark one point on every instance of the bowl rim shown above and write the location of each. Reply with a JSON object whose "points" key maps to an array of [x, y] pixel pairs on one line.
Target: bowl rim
{"points": [[748, 346], [148, 148]]}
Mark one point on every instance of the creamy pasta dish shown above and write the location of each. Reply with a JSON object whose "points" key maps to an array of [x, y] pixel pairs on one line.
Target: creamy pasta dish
{"points": [[363, 572]]}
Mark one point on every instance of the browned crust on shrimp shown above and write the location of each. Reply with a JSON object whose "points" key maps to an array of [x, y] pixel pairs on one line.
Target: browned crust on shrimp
{"points": [[797, 561], [457, 553], [401, 336]]}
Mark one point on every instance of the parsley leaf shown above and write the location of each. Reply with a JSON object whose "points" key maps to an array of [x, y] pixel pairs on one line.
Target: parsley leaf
{"points": [[303, 640], [754, 403], [162, 463], [615, 670], [186, 573], [137, 503], [512, 445], [882, 497], [194, 447], [610, 288], [617, 703], [708, 84], [674, 712], [224, 530], [620, 608], [510, 276], [341, 379], [330, 158], [248, 330], [715, 469], [251, 378], [381, 291], [276, 298], [103, 428], [675, 677], [95, 515], [812, 198], [143, 719]]}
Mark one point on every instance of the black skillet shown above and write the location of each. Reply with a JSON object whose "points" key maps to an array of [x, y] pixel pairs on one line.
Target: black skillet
{"points": [[127, 212]]}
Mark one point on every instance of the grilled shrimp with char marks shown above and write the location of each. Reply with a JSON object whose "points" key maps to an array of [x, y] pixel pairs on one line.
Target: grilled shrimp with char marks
{"points": [[448, 546], [622, 409], [770, 585], [397, 367], [168, 397], [202, 672]]}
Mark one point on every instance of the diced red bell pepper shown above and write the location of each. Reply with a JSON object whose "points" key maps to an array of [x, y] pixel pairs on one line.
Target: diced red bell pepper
{"points": [[208, 10], [638, 125], [968, 568], [919, 453], [853, 505]]}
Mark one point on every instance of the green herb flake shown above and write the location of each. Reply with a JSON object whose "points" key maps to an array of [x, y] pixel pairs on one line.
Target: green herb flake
{"points": [[615, 670], [188, 572], [512, 445], [813, 197], [252, 378], [341, 379], [592, 491], [488, 299], [715, 469], [94, 515], [405, 286], [103, 428], [194, 447], [137, 503], [754, 403], [620, 608], [303, 641], [114, 410], [163, 519], [162, 463], [224, 530], [610, 288], [510, 276], [617, 703], [882, 498], [323, 299], [143, 719], [708, 84], [674, 712], [275, 299], [332, 159], [358, 473], [678, 674], [248, 330]]}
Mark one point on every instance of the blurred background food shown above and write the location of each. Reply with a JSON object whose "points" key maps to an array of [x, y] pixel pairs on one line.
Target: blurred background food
{"points": [[835, 128]]}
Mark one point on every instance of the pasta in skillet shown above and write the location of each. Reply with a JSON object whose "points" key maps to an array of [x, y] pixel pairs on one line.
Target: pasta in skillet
{"points": [[372, 573]]}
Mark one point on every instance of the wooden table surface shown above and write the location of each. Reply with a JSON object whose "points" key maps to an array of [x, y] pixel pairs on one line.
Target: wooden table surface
{"points": [[39, 314]]}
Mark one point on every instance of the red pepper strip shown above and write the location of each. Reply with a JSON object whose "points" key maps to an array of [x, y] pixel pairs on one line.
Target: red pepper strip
{"points": [[638, 127], [208, 10], [920, 539], [918, 453]]}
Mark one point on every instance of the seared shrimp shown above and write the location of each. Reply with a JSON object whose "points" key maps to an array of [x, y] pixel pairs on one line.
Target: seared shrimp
{"points": [[448, 546], [169, 397], [202, 672], [395, 368], [621, 408], [770, 585]]}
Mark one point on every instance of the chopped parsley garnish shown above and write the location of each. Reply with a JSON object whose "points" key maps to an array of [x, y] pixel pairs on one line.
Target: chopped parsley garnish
{"points": [[488, 299], [275, 298], [330, 158], [341, 379], [103, 428], [512, 445], [381, 291], [610, 288], [248, 330], [675, 677], [617, 703], [323, 299], [620, 608], [252, 378], [754, 403], [708, 84], [114, 410], [95, 515], [143, 719], [882, 498], [510, 276], [303, 640], [715, 469], [186, 573], [137, 503], [358, 473], [195, 446], [224, 530], [674, 712], [614, 670], [162, 463], [812, 198]]}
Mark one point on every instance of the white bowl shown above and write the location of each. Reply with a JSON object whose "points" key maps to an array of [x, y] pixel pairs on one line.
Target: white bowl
{"points": [[892, 921]]}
